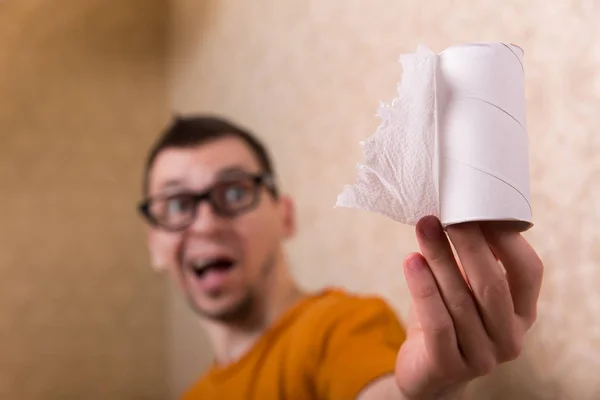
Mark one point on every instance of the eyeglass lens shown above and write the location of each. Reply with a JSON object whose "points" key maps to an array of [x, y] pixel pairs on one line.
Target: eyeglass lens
{"points": [[227, 198]]}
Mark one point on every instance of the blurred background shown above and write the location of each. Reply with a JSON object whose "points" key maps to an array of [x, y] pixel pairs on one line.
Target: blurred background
{"points": [[86, 86]]}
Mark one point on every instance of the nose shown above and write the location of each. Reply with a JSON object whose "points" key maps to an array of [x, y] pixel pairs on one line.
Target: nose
{"points": [[206, 220]]}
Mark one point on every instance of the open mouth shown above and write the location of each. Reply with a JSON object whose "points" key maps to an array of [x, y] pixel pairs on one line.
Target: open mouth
{"points": [[221, 264]]}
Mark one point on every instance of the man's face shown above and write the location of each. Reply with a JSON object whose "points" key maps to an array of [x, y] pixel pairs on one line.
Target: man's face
{"points": [[219, 262]]}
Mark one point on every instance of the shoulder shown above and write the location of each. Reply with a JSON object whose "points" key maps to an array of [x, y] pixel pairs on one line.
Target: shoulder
{"points": [[335, 313], [335, 305], [357, 338], [198, 389]]}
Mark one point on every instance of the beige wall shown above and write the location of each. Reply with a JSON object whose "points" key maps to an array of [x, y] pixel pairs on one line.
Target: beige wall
{"points": [[82, 93], [308, 76], [81, 83]]}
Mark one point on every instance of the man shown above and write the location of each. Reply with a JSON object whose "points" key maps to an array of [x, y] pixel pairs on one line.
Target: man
{"points": [[217, 223]]}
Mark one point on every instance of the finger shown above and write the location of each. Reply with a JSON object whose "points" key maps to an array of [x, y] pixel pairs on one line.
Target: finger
{"points": [[412, 322], [472, 336], [524, 269], [490, 287], [436, 323]]}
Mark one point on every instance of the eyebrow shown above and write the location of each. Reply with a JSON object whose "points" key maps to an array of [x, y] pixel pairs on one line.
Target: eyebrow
{"points": [[172, 183], [232, 172], [168, 188]]}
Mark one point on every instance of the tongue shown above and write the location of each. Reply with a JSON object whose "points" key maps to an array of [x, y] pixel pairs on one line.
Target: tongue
{"points": [[214, 278]]}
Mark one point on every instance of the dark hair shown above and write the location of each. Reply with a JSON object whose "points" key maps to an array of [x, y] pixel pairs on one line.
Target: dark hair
{"points": [[184, 132]]}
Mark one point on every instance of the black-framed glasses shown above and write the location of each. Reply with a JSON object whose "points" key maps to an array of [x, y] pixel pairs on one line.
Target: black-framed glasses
{"points": [[227, 198]]}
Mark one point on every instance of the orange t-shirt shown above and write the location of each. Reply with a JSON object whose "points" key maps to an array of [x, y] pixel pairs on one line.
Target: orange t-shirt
{"points": [[329, 346]]}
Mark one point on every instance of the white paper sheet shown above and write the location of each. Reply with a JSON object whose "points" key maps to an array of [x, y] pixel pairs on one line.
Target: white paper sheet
{"points": [[454, 143]]}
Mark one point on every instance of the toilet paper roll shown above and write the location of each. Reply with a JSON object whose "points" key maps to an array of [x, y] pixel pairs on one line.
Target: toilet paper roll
{"points": [[453, 143]]}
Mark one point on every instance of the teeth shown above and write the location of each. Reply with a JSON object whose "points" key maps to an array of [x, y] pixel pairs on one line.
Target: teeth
{"points": [[200, 266]]}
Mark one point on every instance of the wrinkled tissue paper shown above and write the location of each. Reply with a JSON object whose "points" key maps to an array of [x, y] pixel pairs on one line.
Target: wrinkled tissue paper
{"points": [[453, 143]]}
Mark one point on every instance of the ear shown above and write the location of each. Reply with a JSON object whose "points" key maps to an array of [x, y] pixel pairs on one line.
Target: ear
{"points": [[288, 215], [157, 255]]}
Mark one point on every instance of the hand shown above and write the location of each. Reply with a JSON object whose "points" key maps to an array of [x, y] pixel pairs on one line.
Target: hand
{"points": [[465, 322]]}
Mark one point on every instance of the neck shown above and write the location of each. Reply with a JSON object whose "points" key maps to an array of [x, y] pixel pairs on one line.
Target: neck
{"points": [[279, 292]]}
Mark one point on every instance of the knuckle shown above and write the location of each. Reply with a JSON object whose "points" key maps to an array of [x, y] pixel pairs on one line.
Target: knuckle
{"points": [[483, 365], [536, 270], [528, 317], [511, 350], [452, 369], [426, 292], [441, 327], [530, 320], [495, 289], [460, 303]]}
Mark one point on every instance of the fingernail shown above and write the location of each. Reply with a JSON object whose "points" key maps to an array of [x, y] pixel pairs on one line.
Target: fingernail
{"points": [[432, 228]]}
